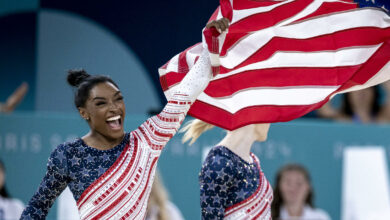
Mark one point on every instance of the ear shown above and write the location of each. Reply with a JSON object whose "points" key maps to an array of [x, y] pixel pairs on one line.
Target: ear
{"points": [[84, 113]]}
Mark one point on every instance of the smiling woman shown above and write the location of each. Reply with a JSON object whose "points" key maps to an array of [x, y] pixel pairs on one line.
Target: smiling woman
{"points": [[100, 103], [110, 172]]}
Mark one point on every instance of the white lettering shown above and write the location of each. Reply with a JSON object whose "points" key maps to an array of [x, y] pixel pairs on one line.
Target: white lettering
{"points": [[193, 149], [270, 149], [55, 140], [23, 143], [11, 142], [177, 147], [36, 144], [338, 149], [71, 137], [257, 148], [285, 150]]}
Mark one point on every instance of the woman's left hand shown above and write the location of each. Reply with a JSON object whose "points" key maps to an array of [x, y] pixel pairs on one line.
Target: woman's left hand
{"points": [[221, 25]]}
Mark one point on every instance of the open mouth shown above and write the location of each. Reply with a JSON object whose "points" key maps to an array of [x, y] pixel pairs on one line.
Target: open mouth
{"points": [[115, 122]]}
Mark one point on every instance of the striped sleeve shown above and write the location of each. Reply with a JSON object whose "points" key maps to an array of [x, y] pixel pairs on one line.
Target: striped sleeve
{"points": [[159, 129]]}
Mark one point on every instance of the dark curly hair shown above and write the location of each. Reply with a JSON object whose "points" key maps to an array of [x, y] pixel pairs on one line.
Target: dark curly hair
{"points": [[3, 191], [84, 82]]}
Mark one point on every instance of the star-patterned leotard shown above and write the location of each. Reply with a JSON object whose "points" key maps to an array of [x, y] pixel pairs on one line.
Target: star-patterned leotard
{"points": [[226, 180], [72, 164], [116, 183]]}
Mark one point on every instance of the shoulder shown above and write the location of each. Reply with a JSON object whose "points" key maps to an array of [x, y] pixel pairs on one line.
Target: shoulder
{"points": [[62, 152], [68, 144], [67, 147], [316, 213], [219, 160], [218, 156]]}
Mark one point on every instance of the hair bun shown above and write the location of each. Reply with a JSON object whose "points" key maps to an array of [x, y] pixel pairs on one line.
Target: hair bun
{"points": [[77, 76]]}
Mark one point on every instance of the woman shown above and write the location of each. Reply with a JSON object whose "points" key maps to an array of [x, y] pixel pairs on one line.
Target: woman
{"points": [[110, 172], [232, 184], [294, 195], [9, 208]]}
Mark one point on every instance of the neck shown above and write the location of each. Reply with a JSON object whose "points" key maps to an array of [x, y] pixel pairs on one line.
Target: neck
{"points": [[101, 142], [294, 209], [240, 141]]}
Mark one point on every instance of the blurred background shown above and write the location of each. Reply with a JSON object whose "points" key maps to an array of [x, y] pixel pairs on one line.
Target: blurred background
{"points": [[130, 40]]}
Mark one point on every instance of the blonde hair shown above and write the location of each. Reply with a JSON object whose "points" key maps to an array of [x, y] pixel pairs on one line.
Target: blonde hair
{"points": [[159, 198], [193, 129]]}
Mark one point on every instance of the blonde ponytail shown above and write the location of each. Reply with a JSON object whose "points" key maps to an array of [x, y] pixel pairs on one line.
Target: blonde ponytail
{"points": [[193, 129]]}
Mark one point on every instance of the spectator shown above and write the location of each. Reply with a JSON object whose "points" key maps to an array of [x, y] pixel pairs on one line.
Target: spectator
{"points": [[9, 208], [364, 106], [293, 196]]}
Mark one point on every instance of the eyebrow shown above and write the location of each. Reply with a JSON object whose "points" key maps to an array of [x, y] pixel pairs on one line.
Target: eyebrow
{"points": [[118, 92], [99, 98]]}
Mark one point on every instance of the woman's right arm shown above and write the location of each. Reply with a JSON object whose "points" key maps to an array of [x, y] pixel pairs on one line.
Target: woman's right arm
{"points": [[159, 129], [54, 182]]}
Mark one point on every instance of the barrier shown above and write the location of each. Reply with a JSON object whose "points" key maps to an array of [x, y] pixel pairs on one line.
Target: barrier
{"points": [[26, 140]]}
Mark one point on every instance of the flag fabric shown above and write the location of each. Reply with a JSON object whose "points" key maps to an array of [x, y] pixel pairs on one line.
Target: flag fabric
{"points": [[281, 59]]}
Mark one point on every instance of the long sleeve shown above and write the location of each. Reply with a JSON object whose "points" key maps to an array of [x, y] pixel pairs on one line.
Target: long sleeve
{"points": [[53, 183], [215, 181], [196, 79], [158, 130]]}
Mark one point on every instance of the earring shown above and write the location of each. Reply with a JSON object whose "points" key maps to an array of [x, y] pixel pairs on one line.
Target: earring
{"points": [[87, 118]]}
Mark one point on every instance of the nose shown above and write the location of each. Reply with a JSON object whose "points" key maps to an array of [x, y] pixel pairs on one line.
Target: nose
{"points": [[113, 106]]}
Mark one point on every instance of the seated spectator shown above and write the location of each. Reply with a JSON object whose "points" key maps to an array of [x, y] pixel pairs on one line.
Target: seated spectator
{"points": [[293, 196], [364, 106], [10, 209]]}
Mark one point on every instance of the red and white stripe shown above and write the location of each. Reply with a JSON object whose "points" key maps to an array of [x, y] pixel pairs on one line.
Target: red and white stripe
{"points": [[282, 59], [122, 192], [257, 206]]}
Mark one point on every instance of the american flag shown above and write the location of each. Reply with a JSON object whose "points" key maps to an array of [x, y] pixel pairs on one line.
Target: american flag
{"points": [[281, 59]]}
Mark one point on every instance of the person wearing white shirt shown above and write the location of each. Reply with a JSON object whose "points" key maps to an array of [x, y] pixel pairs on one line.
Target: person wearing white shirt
{"points": [[293, 196], [10, 208]]}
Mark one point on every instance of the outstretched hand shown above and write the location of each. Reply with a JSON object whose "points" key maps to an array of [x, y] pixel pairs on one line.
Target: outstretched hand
{"points": [[221, 24], [15, 98]]}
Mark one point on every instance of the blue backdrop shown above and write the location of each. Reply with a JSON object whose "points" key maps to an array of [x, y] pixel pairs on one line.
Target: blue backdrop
{"points": [[128, 40], [26, 141]]}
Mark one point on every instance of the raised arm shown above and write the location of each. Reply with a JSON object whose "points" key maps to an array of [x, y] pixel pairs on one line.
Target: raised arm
{"points": [[54, 182], [157, 130]]}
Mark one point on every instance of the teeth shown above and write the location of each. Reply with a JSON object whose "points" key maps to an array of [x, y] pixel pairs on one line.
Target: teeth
{"points": [[114, 118]]}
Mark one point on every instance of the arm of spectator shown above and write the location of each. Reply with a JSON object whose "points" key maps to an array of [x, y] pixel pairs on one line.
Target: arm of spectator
{"points": [[327, 111], [15, 98]]}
